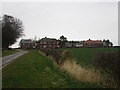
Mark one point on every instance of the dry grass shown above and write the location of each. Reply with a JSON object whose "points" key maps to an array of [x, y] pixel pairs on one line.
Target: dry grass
{"points": [[86, 75]]}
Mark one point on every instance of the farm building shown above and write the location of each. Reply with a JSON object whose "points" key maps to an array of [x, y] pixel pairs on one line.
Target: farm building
{"points": [[48, 43], [93, 43], [27, 44]]}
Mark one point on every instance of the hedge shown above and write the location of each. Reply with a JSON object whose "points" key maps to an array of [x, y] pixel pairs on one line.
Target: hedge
{"points": [[58, 55]]}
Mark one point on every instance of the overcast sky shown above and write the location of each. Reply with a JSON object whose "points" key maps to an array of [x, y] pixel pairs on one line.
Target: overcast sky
{"points": [[74, 20]]}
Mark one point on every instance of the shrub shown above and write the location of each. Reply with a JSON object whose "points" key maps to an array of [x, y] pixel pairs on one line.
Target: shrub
{"points": [[110, 62], [65, 55]]}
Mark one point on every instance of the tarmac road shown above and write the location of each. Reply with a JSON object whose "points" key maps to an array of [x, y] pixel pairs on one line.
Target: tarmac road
{"points": [[8, 59]]}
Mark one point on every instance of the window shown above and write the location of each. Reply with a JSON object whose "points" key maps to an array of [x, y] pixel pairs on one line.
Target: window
{"points": [[44, 46], [44, 42]]}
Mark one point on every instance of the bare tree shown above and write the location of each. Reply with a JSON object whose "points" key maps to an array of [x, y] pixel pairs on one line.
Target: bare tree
{"points": [[12, 29]]}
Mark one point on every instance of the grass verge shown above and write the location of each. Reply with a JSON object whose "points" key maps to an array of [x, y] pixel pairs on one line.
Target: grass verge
{"points": [[9, 52]]}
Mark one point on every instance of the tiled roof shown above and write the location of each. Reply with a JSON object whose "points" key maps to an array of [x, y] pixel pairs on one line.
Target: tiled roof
{"points": [[26, 41], [48, 39], [93, 41]]}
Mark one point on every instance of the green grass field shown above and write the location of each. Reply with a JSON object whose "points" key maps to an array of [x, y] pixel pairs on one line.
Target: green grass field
{"points": [[86, 56], [34, 70], [9, 52]]}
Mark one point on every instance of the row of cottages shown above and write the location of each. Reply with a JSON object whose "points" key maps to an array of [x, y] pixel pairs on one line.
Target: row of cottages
{"points": [[93, 43], [88, 43], [48, 43]]}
